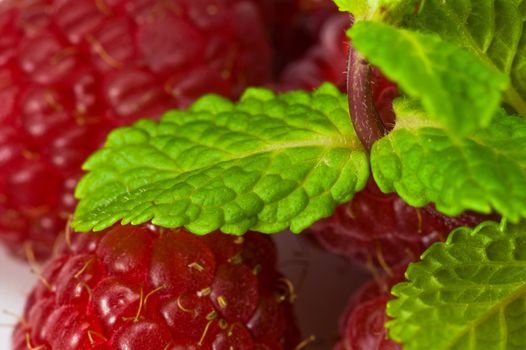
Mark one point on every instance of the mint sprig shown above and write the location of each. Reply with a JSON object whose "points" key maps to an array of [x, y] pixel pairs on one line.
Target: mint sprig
{"points": [[492, 30], [423, 163], [267, 163], [423, 66], [468, 293]]}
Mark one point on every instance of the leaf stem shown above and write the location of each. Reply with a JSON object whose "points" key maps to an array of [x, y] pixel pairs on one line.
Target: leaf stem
{"points": [[516, 101], [364, 116]]}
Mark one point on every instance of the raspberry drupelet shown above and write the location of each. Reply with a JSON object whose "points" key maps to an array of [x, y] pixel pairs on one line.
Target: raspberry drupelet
{"points": [[362, 325]]}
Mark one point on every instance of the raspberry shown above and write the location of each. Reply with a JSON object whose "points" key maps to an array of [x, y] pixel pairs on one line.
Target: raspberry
{"points": [[295, 26], [71, 70], [381, 229], [366, 329], [142, 287], [325, 61], [362, 324]]}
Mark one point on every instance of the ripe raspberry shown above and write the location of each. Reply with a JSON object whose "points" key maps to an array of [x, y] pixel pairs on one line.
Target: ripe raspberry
{"points": [[325, 61], [381, 229], [365, 328], [70, 70], [295, 26], [141, 287], [362, 324]]}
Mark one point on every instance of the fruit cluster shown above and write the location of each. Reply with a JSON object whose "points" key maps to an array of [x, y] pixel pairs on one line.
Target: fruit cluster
{"points": [[70, 71], [73, 70]]}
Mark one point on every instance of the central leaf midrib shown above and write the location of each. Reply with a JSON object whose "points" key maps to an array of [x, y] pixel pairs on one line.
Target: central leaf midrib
{"points": [[328, 142], [347, 142]]}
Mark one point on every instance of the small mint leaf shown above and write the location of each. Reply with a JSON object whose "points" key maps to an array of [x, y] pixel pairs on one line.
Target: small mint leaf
{"points": [[388, 11], [423, 163], [468, 293], [454, 87], [358, 8], [267, 163], [492, 30]]}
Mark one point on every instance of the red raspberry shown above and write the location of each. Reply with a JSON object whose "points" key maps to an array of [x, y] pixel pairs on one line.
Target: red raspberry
{"points": [[295, 26], [70, 70], [362, 324], [365, 327], [142, 287], [382, 230], [325, 61], [375, 227]]}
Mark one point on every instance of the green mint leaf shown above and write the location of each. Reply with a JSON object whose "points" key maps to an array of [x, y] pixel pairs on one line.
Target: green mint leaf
{"points": [[388, 11], [356, 7], [491, 29], [468, 293], [267, 163], [454, 87], [359, 8], [424, 163]]}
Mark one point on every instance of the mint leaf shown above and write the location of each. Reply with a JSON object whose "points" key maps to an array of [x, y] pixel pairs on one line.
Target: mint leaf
{"points": [[467, 293], [424, 163], [359, 8], [491, 29], [388, 11], [356, 7], [268, 163], [463, 99]]}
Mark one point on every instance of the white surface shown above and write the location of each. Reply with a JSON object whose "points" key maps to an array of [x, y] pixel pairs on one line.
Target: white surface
{"points": [[323, 283], [16, 280]]}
